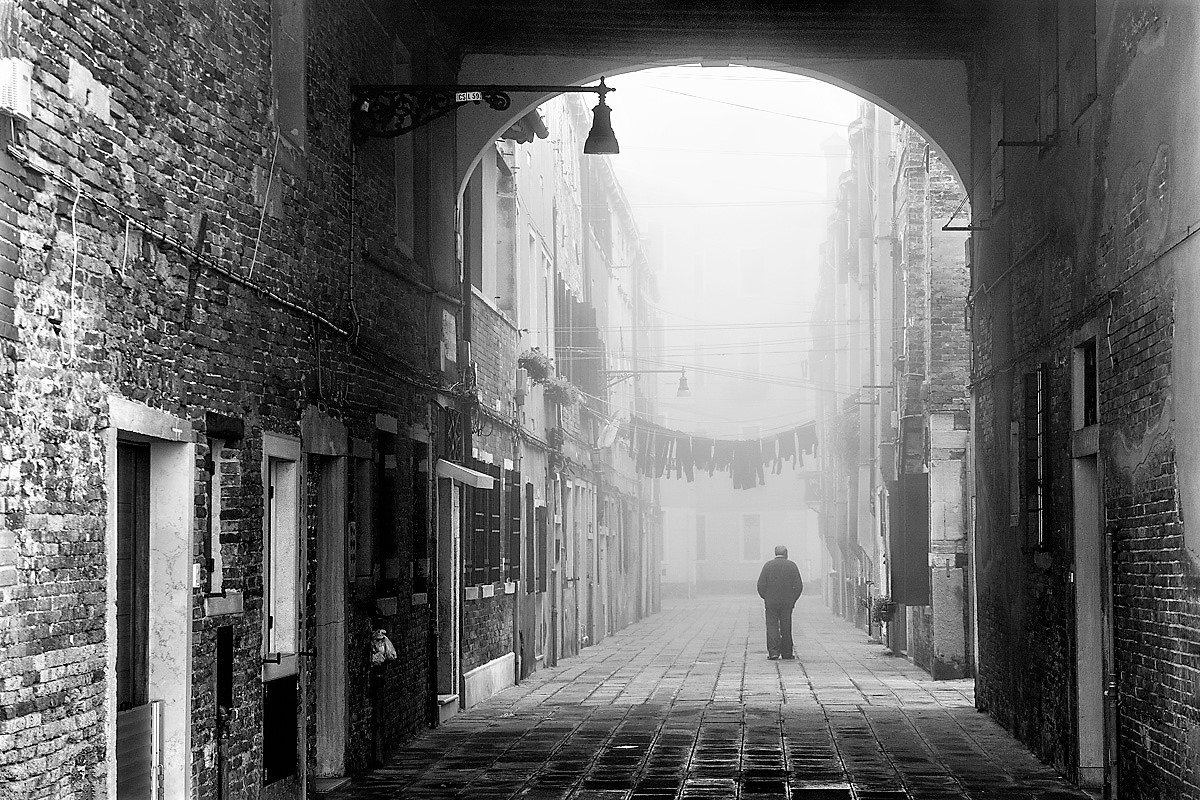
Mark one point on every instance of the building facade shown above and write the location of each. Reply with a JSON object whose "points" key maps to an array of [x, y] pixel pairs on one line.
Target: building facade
{"points": [[245, 427], [892, 365]]}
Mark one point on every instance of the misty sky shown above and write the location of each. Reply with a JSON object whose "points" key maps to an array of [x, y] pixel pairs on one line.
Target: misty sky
{"points": [[729, 174]]}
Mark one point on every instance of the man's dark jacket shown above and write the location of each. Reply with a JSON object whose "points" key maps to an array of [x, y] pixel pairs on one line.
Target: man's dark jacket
{"points": [[779, 583]]}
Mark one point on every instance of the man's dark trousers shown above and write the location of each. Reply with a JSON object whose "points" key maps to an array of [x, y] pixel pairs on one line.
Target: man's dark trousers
{"points": [[779, 630]]}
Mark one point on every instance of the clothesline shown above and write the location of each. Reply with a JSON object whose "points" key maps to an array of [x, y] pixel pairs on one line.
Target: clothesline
{"points": [[662, 452]]}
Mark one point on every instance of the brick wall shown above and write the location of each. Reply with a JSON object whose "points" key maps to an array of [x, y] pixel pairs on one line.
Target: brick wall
{"points": [[177, 128], [1092, 237]]}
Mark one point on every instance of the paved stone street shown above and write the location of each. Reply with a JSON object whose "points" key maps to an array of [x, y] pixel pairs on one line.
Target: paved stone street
{"points": [[686, 705]]}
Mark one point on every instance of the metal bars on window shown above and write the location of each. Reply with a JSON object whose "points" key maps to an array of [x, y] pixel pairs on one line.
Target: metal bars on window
{"points": [[1036, 472]]}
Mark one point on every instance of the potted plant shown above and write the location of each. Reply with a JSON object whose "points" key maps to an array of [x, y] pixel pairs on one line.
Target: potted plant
{"points": [[561, 391], [885, 609], [536, 364]]}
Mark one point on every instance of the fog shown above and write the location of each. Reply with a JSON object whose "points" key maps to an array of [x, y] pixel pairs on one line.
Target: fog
{"points": [[732, 174]]}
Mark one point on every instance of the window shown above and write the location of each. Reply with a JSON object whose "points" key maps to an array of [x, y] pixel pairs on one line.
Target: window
{"points": [[996, 134], [531, 553], [10, 240], [133, 575], [1086, 386], [751, 537], [1048, 35], [513, 508], [418, 511], [541, 516], [282, 576], [1036, 477], [1077, 49], [288, 70], [212, 546], [481, 547], [701, 538], [495, 526]]}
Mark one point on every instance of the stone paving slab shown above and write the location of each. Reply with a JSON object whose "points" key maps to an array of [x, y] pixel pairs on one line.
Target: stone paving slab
{"points": [[685, 705]]}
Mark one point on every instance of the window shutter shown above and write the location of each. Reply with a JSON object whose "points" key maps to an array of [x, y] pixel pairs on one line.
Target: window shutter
{"points": [[1036, 482], [495, 526], [513, 490], [481, 514], [530, 540], [543, 529]]}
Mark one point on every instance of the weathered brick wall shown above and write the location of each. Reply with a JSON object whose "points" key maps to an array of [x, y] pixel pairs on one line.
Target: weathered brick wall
{"points": [[1095, 232], [494, 348], [105, 307]]}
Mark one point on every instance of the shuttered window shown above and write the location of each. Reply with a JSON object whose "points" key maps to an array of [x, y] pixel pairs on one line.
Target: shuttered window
{"points": [[543, 555], [494, 526], [1036, 475], [12, 196], [513, 508]]}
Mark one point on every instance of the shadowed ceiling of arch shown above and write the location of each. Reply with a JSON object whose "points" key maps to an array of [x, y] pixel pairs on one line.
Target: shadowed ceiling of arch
{"points": [[718, 28]]}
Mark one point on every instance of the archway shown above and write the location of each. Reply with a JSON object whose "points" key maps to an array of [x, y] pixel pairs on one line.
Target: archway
{"points": [[928, 94]]}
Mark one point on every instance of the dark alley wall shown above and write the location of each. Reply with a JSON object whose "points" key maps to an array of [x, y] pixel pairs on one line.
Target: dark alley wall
{"points": [[1086, 238]]}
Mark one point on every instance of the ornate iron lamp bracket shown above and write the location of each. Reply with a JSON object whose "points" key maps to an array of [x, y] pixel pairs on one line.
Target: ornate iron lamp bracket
{"points": [[385, 111]]}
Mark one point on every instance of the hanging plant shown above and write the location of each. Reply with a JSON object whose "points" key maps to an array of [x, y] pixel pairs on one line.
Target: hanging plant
{"points": [[562, 391], [537, 364]]}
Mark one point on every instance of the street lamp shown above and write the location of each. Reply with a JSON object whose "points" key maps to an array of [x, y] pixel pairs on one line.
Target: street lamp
{"points": [[388, 110], [615, 376]]}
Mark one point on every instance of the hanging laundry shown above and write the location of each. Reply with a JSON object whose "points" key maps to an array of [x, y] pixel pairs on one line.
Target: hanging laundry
{"points": [[662, 454], [702, 453], [722, 456], [744, 470], [806, 439], [785, 448], [645, 450], [684, 462]]}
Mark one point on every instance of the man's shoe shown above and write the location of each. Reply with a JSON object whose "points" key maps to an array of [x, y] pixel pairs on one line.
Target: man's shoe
{"points": [[788, 658], [772, 658]]}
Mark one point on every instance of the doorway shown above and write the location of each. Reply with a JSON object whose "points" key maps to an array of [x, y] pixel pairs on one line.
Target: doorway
{"points": [[449, 594], [1095, 674], [137, 758], [333, 709], [150, 478], [283, 736]]}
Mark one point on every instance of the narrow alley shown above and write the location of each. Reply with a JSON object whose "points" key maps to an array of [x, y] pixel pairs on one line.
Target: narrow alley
{"points": [[685, 704]]}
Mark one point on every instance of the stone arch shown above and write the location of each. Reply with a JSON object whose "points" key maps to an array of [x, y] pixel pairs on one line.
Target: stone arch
{"points": [[930, 95]]}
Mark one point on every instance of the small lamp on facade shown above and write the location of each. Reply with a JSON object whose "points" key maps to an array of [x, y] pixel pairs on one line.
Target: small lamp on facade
{"points": [[385, 111], [683, 390]]}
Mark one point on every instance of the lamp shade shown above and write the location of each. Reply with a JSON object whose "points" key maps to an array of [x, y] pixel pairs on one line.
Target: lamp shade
{"points": [[684, 391], [601, 140]]}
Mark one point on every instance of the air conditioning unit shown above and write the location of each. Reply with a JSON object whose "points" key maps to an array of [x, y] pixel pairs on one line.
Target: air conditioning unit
{"points": [[16, 88]]}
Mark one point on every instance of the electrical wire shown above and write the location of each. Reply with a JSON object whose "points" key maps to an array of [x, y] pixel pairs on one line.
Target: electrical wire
{"points": [[772, 112]]}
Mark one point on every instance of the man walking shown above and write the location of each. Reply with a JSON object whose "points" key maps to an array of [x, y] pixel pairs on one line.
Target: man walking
{"points": [[780, 586]]}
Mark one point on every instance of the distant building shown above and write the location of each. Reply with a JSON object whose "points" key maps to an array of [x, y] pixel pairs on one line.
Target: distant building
{"points": [[894, 417]]}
